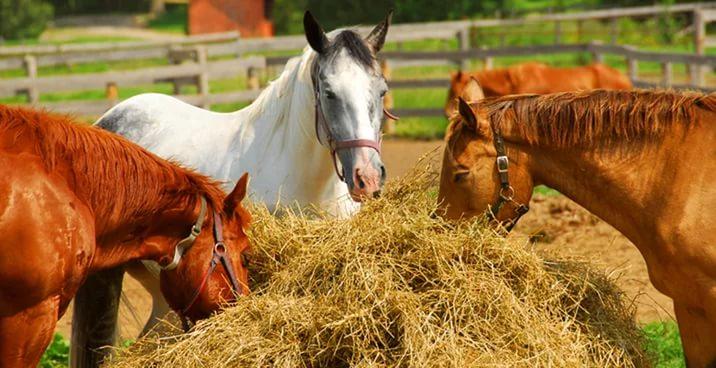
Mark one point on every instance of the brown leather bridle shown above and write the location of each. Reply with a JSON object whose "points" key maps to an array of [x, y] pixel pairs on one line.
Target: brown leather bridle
{"points": [[219, 256], [334, 144]]}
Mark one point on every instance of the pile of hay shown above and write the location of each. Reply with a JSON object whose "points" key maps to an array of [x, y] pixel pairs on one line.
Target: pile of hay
{"points": [[394, 288]]}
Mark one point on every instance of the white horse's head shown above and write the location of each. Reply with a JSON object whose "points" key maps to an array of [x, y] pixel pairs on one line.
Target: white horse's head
{"points": [[349, 87]]}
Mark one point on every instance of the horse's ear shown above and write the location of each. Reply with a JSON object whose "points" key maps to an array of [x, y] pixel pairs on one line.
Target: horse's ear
{"points": [[468, 115], [314, 33], [376, 38], [233, 200], [472, 91]]}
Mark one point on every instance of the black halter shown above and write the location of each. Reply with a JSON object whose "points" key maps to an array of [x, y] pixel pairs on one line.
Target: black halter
{"points": [[506, 192]]}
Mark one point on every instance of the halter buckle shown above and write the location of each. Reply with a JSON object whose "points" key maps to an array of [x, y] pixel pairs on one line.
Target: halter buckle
{"points": [[502, 164]]}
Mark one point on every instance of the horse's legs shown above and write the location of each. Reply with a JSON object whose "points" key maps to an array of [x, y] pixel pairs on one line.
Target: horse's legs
{"points": [[25, 335], [94, 318], [698, 336], [147, 273]]}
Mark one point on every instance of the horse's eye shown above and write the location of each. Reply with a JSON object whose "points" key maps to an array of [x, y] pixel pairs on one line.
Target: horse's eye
{"points": [[383, 92], [245, 260], [330, 95], [460, 175]]}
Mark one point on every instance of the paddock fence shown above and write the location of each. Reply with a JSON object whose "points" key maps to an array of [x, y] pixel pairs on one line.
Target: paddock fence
{"points": [[198, 59]]}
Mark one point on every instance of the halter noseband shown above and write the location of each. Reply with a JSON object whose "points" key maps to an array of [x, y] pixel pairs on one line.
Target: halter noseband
{"points": [[507, 192], [333, 143], [219, 256]]}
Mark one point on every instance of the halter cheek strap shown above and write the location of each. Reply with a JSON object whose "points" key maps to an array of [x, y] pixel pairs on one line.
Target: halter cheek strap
{"points": [[506, 193], [186, 243], [334, 144]]}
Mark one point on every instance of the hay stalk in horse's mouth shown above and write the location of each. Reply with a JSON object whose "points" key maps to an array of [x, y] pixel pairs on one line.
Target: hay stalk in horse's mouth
{"points": [[393, 287]]}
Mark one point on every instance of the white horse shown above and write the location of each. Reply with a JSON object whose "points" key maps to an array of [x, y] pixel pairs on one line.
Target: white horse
{"points": [[326, 108]]}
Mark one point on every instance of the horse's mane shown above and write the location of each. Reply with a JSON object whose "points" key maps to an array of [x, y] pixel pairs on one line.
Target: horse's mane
{"points": [[588, 117], [116, 178]]}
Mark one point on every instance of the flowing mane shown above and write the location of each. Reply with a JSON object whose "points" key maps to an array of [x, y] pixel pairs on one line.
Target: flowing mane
{"points": [[585, 118], [116, 178]]}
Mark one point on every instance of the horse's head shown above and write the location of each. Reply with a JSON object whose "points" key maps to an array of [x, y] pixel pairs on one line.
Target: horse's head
{"points": [[458, 80], [210, 265], [474, 178], [349, 88]]}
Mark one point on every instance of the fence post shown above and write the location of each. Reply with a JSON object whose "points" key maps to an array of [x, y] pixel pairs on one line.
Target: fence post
{"points": [[557, 32], [30, 64], [463, 42], [613, 30], [666, 74], [580, 25], [488, 63], [597, 56], [252, 78], [632, 68], [389, 126], [203, 78], [696, 70], [111, 92]]}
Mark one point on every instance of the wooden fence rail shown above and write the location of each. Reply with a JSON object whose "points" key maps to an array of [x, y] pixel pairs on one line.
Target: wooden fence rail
{"points": [[13, 57]]}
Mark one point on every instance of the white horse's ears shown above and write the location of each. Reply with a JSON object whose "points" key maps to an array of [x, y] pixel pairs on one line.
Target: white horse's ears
{"points": [[314, 33], [376, 38]]}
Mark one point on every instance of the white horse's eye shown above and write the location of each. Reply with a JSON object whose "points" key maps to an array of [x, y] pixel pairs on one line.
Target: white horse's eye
{"points": [[383, 92], [330, 95]]}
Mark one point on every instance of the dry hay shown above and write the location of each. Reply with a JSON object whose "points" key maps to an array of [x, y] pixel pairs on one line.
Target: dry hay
{"points": [[394, 288]]}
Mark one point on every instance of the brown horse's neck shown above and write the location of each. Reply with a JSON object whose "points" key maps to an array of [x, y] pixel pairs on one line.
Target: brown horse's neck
{"points": [[622, 181], [127, 189]]}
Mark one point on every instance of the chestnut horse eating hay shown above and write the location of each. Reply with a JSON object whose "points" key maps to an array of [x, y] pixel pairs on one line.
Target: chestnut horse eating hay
{"points": [[537, 78], [76, 199], [643, 161]]}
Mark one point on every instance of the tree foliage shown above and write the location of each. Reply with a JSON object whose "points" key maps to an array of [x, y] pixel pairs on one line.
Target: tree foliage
{"points": [[21, 19]]}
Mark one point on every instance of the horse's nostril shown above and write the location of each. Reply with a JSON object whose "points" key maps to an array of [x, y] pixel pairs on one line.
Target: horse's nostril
{"points": [[376, 194], [361, 184]]}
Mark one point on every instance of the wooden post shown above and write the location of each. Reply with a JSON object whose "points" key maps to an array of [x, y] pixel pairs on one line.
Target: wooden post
{"points": [[111, 92], [557, 32], [202, 80], [30, 64], [389, 125], [613, 30], [463, 42], [580, 25], [632, 68], [666, 74], [597, 56], [696, 70], [252, 78], [488, 63]]}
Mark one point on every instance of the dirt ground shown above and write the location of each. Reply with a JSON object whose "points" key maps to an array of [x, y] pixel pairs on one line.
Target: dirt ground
{"points": [[564, 228]]}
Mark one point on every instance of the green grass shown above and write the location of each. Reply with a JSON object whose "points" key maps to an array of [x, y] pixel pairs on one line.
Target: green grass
{"points": [[57, 354], [664, 343], [173, 20]]}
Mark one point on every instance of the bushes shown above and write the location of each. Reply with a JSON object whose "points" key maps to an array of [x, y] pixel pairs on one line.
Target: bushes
{"points": [[20, 19]]}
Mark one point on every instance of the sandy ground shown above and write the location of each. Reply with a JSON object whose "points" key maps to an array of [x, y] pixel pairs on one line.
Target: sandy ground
{"points": [[563, 227]]}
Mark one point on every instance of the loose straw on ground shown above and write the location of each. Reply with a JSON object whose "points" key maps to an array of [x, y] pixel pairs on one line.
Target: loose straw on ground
{"points": [[393, 287]]}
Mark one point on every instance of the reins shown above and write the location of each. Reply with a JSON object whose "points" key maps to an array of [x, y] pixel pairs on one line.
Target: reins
{"points": [[334, 144], [219, 257]]}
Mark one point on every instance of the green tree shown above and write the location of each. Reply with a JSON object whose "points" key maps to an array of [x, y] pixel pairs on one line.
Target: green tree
{"points": [[22, 19]]}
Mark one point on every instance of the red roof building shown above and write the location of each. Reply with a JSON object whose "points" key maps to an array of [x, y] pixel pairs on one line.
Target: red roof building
{"points": [[250, 17]]}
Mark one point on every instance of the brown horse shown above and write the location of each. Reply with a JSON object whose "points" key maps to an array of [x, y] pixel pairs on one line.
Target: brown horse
{"points": [[537, 78], [76, 199], [643, 161]]}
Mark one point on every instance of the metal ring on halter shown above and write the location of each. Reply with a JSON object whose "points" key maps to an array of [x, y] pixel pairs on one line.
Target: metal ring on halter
{"points": [[509, 189]]}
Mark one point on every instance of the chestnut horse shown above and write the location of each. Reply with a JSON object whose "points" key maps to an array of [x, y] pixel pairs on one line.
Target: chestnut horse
{"points": [[75, 200], [643, 161], [537, 78]]}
